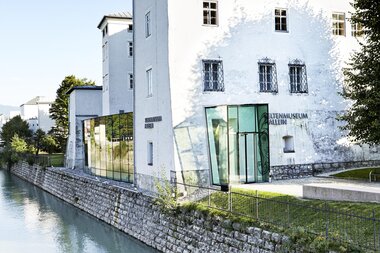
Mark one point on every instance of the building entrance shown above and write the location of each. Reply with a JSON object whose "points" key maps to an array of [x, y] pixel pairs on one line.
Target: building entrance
{"points": [[238, 143]]}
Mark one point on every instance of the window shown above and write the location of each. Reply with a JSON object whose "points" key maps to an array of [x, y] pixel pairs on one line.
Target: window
{"points": [[356, 30], [210, 12], [150, 153], [298, 77], [130, 47], [213, 75], [147, 25], [130, 28], [105, 51], [149, 82], [280, 20], [288, 144], [267, 76], [130, 81], [338, 24]]}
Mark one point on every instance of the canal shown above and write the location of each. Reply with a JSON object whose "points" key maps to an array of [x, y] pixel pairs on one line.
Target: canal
{"points": [[32, 220]]}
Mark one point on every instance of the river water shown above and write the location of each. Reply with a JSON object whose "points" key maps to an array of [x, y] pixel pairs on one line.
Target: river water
{"points": [[32, 220]]}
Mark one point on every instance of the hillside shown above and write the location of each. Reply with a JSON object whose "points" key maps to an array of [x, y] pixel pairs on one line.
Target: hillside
{"points": [[5, 109]]}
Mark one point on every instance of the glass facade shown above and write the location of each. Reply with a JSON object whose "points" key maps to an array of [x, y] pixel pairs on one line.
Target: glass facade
{"points": [[109, 146], [238, 143]]}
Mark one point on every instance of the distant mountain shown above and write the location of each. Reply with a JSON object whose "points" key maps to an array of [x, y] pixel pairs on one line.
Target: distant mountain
{"points": [[5, 109]]}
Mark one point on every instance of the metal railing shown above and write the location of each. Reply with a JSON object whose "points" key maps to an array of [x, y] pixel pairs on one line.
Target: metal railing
{"points": [[318, 218], [42, 160]]}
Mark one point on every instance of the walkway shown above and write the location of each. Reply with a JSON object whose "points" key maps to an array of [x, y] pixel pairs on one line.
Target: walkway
{"points": [[294, 187]]}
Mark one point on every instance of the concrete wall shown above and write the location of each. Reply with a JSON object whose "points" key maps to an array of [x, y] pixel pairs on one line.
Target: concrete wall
{"points": [[83, 104], [138, 216]]}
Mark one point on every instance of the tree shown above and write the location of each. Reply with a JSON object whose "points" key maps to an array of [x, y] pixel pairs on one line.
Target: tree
{"points": [[19, 145], [363, 77], [15, 126], [38, 137], [59, 110], [49, 144]]}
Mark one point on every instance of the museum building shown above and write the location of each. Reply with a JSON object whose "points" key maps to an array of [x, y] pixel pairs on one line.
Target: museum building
{"points": [[224, 92], [241, 91]]}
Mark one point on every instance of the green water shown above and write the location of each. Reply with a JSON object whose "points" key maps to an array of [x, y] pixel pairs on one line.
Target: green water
{"points": [[32, 220]]}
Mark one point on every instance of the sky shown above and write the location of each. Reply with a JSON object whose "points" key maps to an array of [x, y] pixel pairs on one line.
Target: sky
{"points": [[43, 41]]}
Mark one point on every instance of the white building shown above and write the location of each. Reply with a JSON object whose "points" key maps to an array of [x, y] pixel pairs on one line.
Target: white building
{"points": [[206, 72], [84, 103], [117, 46], [36, 113], [116, 94]]}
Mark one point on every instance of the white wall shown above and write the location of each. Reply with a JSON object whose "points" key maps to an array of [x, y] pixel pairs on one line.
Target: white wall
{"points": [[117, 64], [40, 111], [152, 52], [83, 104], [244, 35]]}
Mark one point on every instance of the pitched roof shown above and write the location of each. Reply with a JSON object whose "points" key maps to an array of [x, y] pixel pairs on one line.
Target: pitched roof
{"points": [[39, 100], [118, 15]]}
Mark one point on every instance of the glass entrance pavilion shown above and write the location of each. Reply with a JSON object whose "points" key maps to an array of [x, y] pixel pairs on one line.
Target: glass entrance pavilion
{"points": [[238, 138]]}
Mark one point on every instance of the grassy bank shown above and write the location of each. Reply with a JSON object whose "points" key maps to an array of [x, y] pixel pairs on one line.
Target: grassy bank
{"points": [[362, 174], [341, 222]]}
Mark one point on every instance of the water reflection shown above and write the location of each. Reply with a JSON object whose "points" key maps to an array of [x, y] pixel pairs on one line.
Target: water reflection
{"points": [[32, 220]]}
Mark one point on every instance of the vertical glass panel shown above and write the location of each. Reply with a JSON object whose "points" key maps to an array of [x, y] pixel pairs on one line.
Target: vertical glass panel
{"points": [[116, 143], [97, 146], [247, 116], [233, 143], [263, 143], [250, 157], [217, 135], [108, 143], [242, 159], [103, 148]]}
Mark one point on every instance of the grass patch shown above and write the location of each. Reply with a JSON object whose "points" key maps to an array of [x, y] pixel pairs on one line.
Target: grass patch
{"points": [[358, 174], [344, 221], [57, 160]]}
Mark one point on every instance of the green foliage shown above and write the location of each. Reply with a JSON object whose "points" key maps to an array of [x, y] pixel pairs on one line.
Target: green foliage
{"points": [[59, 110], [49, 144], [37, 138], [18, 144], [301, 239], [166, 194], [15, 126], [363, 77]]}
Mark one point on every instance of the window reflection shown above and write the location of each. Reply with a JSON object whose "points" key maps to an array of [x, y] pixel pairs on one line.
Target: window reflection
{"points": [[238, 143], [109, 146]]}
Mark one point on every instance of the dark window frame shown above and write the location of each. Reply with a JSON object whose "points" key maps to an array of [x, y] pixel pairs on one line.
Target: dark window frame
{"points": [[210, 12], [298, 77], [281, 20], [213, 76], [267, 81], [148, 31], [337, 30]]}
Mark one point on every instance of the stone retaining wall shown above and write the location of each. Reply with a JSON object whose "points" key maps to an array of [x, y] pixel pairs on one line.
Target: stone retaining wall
{"points": [[307, 170], [137, 215]]}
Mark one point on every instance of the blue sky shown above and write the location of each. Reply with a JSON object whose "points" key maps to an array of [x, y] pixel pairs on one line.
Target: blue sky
{"points": [[43, 41]]}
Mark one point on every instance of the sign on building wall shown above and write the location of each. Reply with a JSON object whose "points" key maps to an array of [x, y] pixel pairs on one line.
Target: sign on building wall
{"points": [[282, 118], [149, 122]]}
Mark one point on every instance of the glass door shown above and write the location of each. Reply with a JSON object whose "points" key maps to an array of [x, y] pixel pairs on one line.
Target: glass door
{"points": [[248, 157]]}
